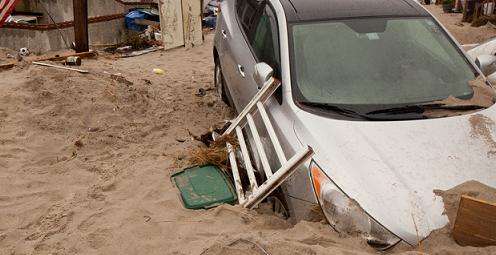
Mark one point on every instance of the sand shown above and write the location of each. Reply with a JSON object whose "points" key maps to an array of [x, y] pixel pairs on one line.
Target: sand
{"points": [[463, 32], [6, 56], [86, 160]]}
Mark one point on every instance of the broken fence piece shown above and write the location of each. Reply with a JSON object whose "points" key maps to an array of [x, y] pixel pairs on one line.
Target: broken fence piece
{"points": [[61, 67], [274, 179], [475, 223]]}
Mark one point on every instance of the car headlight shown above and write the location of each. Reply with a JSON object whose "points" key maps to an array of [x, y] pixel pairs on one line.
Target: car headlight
{"points": [[345, 215]]}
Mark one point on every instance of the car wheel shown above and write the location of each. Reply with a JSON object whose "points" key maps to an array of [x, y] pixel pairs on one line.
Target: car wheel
{"points": [[278, 207], [219, 83]]}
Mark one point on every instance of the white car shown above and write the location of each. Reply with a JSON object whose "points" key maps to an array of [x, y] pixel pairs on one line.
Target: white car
{"points": [[358, 78], [486, 53]]}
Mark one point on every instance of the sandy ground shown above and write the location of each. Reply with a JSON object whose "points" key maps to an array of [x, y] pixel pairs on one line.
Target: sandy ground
{"points": [[86, 160], [463, 32]]}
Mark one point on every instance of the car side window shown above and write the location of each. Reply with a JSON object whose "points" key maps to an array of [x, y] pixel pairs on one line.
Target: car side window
{"points": [[265, 44], [265, 41], [247, 12]]}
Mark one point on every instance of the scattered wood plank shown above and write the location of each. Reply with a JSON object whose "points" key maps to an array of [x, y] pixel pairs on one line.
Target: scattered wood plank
{"points": [[6, 66], [141, 52], [87, 54], [475, 223], [61, 67]]}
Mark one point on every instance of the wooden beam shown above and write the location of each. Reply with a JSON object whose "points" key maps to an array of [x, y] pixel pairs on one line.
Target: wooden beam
{"points": [[6, 66], [475, 223], [60, 67], [81, 25], [88, 54], [61, 25]]}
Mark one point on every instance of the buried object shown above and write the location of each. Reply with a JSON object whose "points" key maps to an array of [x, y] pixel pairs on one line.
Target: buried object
{"points": [[475, 223], [201, 187], [274, 178], [73, 61], [204, 187]]}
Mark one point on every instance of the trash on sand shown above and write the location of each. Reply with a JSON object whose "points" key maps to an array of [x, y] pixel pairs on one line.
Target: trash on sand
{"points": [[124, 49], [212, 135], [60, 67], [158, 71], [157, 36], [215, 153], [147, 82], [24, 52], [136, 19], [203, 187], [73, 61], [210, 21], [201, 93]]}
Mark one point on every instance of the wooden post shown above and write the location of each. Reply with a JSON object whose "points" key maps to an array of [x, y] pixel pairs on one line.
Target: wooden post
{"points": [[80, 8]]}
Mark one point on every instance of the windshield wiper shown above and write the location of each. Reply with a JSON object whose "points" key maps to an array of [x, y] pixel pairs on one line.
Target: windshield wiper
{"points": [[336, 109], [421, 108]]}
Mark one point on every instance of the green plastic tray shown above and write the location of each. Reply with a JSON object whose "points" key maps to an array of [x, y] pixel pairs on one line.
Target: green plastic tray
{"points": [[204, 187]]}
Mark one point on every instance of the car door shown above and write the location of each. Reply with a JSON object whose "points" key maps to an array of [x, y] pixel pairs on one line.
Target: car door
{"points": [[239, 62], [264, 47]]}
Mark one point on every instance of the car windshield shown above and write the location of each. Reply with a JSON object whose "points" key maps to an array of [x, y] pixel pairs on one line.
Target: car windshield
{"points": [[381, 61]]}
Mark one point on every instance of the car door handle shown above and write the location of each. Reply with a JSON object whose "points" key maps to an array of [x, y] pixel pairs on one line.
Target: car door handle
{"points": [[224, 33], [241, 71]]}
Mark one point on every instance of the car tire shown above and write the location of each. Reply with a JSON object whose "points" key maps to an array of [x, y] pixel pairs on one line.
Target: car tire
{"points": [[220, 86], [278, 207]]}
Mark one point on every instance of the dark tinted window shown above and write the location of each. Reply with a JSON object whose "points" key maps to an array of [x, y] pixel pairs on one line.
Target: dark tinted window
{"points": [[265, 44], [265, 40], [247, 11]]}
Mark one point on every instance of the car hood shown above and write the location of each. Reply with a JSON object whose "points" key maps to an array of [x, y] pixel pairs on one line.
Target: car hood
{"points": [[392, 168]]}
